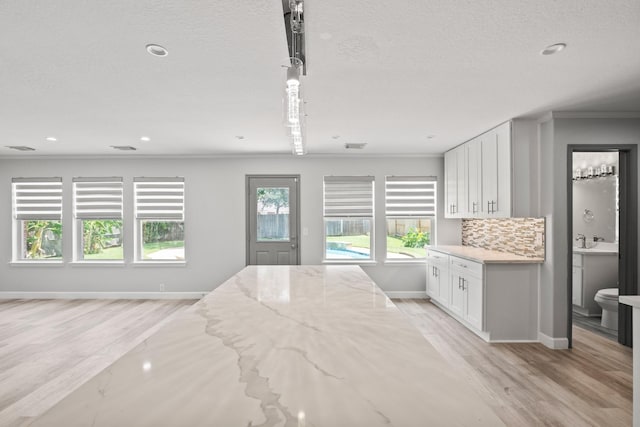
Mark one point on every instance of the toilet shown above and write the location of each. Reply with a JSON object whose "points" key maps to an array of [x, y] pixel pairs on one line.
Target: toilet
{"points": [[608, 300]]}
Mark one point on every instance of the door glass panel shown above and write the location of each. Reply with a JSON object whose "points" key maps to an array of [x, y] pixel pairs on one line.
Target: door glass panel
{"points": [[273, 214]]}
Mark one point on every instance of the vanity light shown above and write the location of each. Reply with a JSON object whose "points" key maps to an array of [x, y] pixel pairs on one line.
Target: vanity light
{"points": [[157, 50], [554, 48]]}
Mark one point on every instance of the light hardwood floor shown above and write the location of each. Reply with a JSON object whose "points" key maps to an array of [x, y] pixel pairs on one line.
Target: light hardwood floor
{"points": [[529, 384], [50, 347]]}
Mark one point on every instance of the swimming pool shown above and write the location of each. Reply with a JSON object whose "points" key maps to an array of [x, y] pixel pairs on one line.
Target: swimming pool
{"points": [[345, 254]]}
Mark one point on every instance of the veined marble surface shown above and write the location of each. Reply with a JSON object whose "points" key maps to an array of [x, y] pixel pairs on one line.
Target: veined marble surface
{"points": [[284, 346]]}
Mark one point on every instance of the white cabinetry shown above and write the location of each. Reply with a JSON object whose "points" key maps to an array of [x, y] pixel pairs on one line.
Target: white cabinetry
{"points": [[438, 276], [497, 301], [480, 185], [466, 290], [455, 183], [592, 272]]}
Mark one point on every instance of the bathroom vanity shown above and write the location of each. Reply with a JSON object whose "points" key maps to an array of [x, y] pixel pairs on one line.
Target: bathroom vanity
{"points": [[593, 269], [494, 294]]}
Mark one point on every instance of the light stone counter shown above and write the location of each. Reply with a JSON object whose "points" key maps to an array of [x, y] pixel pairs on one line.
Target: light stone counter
{"points": [[634, 301], [281, 346], [485, 256]]}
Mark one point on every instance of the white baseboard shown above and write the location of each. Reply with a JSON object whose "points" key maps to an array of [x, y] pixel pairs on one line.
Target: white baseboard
{"points": [[553, 343], [102, 295], [406, 294]]}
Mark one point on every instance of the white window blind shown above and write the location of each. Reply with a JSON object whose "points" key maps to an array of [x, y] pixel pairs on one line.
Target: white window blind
{"points": [[159, 198], [97, 198], [348, 196], [37, 198], [410, 196]]}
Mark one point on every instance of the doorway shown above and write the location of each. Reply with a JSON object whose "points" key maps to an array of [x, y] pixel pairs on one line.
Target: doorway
{"points": [[273, 221], [623, 260]]}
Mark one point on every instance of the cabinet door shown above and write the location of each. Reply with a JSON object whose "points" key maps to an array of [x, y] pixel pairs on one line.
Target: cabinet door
{"points": [[489, 155], [450, 183], [445, 287], [433, 287], [474, 178], [502, 208], [457, 294], [576, 282], [473, 308], [460, 209]]}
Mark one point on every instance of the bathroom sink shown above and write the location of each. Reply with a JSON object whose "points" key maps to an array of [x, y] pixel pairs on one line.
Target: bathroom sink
{"points": [[597, 247]]}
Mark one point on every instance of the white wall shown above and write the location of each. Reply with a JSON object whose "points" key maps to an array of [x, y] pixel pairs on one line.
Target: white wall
{"points": [[215, 220], [556, 134]]}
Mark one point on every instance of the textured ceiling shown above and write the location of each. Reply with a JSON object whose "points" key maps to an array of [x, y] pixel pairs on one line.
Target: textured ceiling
{"points": [[389, 74]]}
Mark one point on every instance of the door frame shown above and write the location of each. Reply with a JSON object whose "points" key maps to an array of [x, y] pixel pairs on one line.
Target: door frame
{"points": [[248, 215], [628, 232]]}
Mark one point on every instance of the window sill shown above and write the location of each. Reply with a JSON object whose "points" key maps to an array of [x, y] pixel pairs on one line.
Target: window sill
{"points": [[417, 261], [57, 263], [159, 264], [97, 264], [350, 261]]}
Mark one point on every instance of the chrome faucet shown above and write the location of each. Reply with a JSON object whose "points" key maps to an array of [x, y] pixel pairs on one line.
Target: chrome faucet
{"points": [[583, 240], [598, 239]]}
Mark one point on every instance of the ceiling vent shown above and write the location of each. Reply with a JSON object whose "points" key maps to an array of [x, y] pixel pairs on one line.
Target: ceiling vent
{"points": [[20, 148], [124, 147], [355, 145]]}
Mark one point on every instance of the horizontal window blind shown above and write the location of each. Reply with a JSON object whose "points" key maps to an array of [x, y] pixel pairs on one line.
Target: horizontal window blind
{"points": [[348, 196], [37, 198], [159, 198], [97, 198], [410, 196]]}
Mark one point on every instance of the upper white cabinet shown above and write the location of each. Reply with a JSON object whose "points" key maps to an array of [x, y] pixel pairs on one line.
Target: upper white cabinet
{"points": [[483, 186], [455, 183]]}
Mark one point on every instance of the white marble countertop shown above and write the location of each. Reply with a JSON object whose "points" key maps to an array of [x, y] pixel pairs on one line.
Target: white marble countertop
{"points": [[283, 346], [632, 300], [485, 256]]}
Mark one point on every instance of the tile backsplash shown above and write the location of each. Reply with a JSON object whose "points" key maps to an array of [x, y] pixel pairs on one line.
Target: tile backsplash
{"points": [[513, 235]]}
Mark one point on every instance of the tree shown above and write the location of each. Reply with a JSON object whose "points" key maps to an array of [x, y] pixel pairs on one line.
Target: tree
{"points": [[276, 197]]}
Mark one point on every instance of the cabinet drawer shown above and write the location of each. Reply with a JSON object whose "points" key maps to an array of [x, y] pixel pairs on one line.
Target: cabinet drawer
{"points": [[577, 260], [473, 268], [435, 257]]}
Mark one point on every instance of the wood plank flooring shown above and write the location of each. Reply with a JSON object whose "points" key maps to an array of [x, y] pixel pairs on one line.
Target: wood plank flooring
{"points": [[529, 384], [48, 348]]}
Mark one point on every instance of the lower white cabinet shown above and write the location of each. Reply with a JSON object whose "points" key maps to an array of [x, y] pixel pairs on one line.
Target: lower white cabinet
{"points": [[465, 279], [497, 301]]}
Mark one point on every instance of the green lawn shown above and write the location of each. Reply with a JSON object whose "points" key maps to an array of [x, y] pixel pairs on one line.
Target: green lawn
{"points": [[394, 244], [115, 252]]}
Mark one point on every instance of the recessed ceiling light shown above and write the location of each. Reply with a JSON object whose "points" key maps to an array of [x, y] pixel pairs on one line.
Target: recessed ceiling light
{"points": [[145, 139], [239, 137], [51, 139], [430, 136], [554, 48], [123, 147], [157, 50], [336, 137]]}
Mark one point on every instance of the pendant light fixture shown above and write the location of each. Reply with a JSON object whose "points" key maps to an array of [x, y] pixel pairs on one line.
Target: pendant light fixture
{"points": [[294, 23]]}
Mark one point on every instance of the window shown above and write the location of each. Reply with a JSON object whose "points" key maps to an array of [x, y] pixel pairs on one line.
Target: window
{"points": [[348, 217], [97, 209], [410, 209], [37, 219], [159, 212]]}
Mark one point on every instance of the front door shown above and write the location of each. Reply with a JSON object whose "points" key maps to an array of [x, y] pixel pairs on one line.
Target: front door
{"points": [[272, 220]]}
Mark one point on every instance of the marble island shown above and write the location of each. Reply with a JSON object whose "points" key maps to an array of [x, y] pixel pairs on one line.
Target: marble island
{"points": [[281, 346]]}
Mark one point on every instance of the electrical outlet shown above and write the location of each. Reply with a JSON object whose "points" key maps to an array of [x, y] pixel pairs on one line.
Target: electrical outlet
{"points": [[162, 288], [538, 239]]}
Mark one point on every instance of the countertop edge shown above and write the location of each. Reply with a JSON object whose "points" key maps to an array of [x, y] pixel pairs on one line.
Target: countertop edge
{"points": [[521, 260]]}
